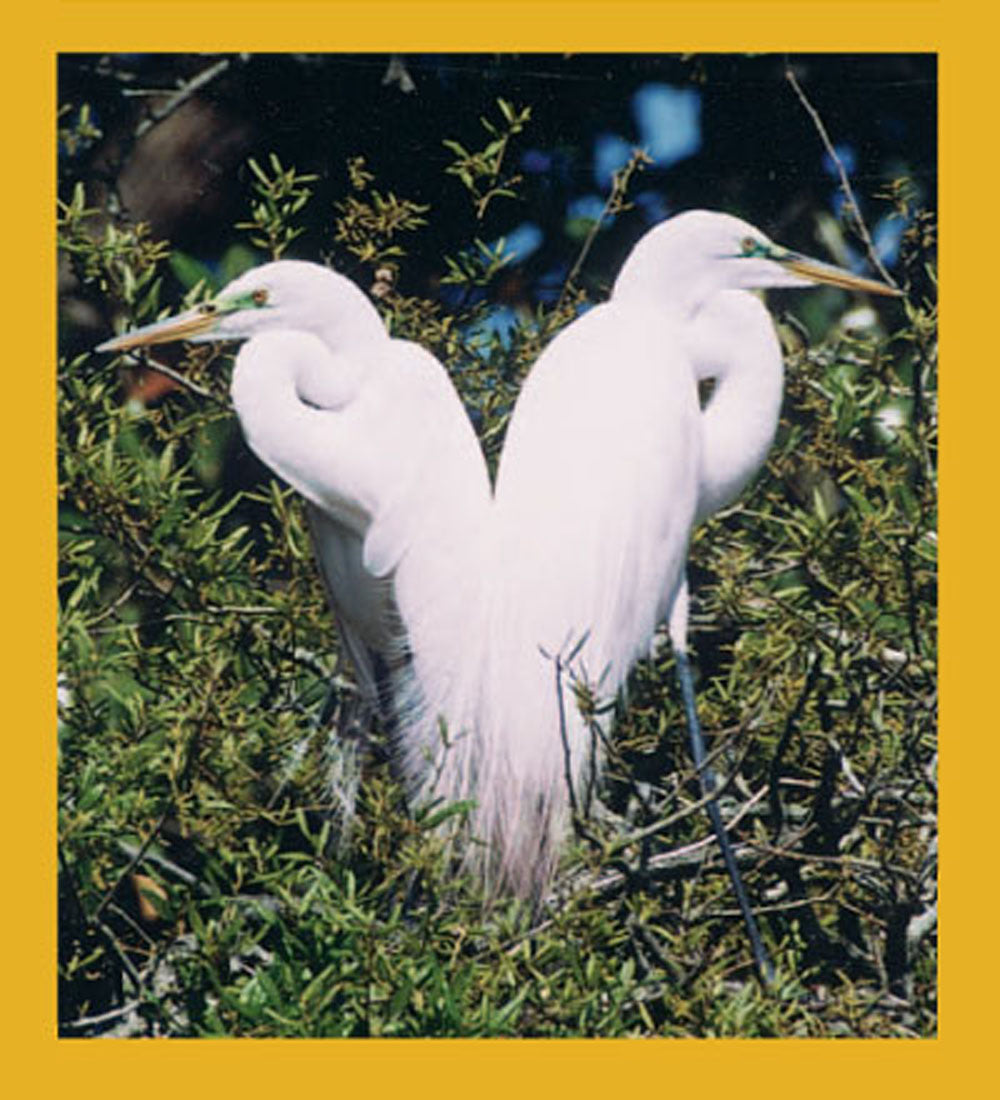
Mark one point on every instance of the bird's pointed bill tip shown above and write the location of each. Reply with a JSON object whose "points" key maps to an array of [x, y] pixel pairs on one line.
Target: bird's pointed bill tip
{"points": [[818, 272], [182, 326], [124, 341]]}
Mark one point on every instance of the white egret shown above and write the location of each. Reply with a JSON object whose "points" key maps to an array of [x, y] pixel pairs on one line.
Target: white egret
{"points": [[373, 435], [608, 464]]}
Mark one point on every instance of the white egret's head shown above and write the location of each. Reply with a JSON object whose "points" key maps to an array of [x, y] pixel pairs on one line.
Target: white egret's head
{"points": [[284, 295], [695, 254]]}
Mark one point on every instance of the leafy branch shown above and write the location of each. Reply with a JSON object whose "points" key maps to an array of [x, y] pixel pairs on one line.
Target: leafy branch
{"points": [[616, 204], [368, 223], [480, 170], [281, 194], [121, 261]]}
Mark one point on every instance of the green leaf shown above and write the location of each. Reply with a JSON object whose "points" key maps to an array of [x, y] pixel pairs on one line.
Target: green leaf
{"points": [[189, 271]]}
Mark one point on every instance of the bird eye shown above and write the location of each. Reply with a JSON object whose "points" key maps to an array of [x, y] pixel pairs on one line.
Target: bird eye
{"points": [[259, 297], [207, 307], [749, 246]]}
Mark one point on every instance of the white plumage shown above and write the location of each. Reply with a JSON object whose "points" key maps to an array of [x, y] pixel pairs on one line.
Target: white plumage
{"points": [[455, 604]]}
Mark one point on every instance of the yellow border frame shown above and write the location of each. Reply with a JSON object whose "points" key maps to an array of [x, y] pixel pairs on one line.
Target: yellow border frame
{"points": [[744, 1068]]}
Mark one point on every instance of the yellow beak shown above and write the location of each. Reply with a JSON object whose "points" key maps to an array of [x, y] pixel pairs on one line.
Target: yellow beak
{"points": [[819, 272], [183, 326]]}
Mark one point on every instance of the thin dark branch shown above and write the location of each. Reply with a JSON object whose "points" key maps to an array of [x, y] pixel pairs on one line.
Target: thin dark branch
{"points": [[567, 762], [182, 95], [668, 822], [791, 723], [615, 203], [109, 1017], [181, 380], [845, 183], [131, 865]]}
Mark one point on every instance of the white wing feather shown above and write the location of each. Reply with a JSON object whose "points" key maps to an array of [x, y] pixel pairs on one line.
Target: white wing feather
{"points": [[595, 498], [399, 498]]}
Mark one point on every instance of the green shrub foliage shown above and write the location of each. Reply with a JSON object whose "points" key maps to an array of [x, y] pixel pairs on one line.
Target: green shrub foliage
{"points": [[205, 887]]}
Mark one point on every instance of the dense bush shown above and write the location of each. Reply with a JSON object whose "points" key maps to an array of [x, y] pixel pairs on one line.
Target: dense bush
{"points": [[204, 889]]}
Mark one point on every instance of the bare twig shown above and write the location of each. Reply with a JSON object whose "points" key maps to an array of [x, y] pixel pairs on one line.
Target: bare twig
{"points": [[845, 184], [668, 822], [567, 762], [181, 380], [182, 95], [614, 205], [85, 1022], [687, 858], [131, 865], [837, 861], [791, 723]]}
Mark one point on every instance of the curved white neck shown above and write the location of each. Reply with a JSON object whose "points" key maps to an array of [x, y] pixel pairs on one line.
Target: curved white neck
{"points": [[352, 322], [732, 340], [384, 447]]}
